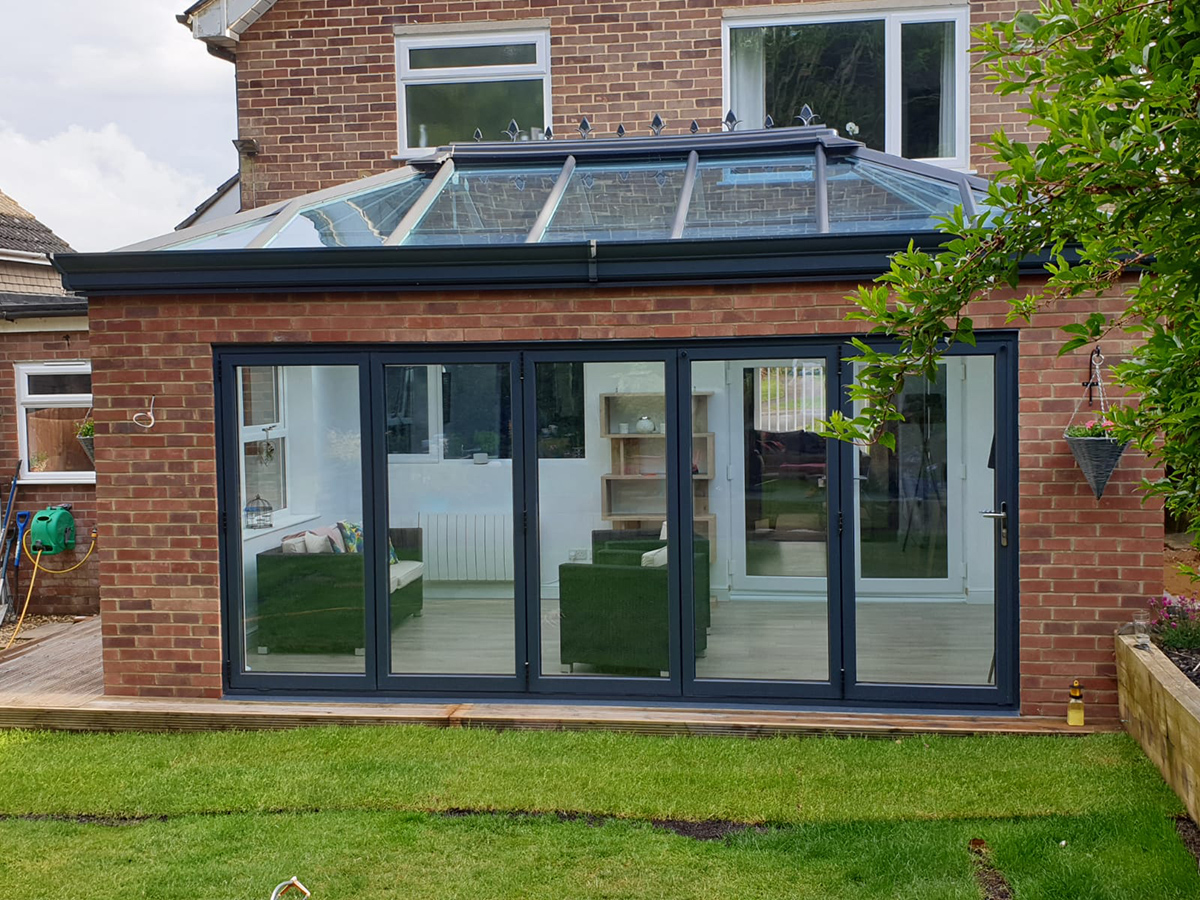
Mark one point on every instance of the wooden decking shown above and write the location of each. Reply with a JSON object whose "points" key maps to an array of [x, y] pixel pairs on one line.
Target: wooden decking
{"points": [[57, 684]]}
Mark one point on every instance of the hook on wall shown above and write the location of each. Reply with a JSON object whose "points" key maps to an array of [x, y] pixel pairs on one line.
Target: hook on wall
{"points": [[145, 419], [1095, 362]]}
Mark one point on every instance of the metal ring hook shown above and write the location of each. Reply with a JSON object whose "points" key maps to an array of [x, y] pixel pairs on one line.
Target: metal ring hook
{"points": [[145, 419]]}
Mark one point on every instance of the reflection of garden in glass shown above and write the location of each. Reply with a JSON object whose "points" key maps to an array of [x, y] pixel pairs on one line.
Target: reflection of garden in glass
{"points": [[903, 503]]}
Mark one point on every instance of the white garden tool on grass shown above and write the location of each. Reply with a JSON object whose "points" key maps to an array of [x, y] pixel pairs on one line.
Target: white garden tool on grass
{"points": [[284, 887]]}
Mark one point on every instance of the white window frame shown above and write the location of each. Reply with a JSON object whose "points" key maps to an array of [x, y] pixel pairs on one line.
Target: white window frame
{"points": [[273, 431], [893, 22], [407, 75], [26, 399]]}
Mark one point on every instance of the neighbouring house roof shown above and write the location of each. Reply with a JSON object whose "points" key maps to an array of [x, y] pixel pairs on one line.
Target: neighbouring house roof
{"points": [[20, 231], [215, 199], [220, 23], [773, 204], [41, 306]]}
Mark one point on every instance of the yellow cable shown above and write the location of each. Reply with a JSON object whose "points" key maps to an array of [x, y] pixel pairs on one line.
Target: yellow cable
{"points": [[29, 552], [25, 608]]}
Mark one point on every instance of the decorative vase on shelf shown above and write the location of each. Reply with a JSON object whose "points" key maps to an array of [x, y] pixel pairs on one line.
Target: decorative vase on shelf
{"points": [[644, 425]]}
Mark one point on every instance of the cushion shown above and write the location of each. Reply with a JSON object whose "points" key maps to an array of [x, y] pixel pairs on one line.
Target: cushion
{"points": [[404, 572], [662, 535], [352, 533], [653, 559], [335, 537], [317, 543], [294, 544], [393, 556]]}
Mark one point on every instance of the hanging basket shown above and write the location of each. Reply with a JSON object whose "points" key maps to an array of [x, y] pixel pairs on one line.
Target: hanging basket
{"points": [[1098, 458], [89, 446]]}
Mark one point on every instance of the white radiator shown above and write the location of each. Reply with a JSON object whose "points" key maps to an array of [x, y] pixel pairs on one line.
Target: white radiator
{"points": [[467, 546]]}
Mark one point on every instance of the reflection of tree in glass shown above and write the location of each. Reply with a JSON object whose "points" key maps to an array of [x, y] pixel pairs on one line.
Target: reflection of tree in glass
{"points": [[836, 68]]}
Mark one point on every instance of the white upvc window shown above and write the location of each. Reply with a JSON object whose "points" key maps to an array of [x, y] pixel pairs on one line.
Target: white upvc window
{"points": [[897, 81], [54, 400], [262, 421], [452, 84]]}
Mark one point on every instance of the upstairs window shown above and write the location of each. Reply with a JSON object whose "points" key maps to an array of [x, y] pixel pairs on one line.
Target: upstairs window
{"points": [[451, 85], [895, 81], [54, 401]]}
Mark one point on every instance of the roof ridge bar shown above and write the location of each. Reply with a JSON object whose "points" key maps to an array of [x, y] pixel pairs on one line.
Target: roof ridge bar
{"points": [[321, 197], [550, 207], [821, 180], [417, 211], [685, 195]]}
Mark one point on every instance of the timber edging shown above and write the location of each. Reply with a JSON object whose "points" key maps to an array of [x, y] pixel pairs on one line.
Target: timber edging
{"points": [[1160, 708]]}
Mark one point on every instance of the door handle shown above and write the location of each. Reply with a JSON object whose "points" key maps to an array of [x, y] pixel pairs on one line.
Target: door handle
{"points": [[1002, 517]]}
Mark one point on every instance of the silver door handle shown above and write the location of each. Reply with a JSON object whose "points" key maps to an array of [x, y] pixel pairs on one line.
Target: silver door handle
{"points": [[1002, 516]]}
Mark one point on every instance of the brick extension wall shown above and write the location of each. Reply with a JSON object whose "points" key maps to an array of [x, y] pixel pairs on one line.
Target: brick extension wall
{"points": [[74, 593], [316, 79], [1083, 564]]}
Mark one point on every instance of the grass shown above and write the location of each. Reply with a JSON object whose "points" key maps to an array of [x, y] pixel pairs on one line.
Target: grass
{"points": [[355, 813]]}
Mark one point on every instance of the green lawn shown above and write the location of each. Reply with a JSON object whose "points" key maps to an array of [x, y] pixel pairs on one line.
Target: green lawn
{"points": [[355, 813]]}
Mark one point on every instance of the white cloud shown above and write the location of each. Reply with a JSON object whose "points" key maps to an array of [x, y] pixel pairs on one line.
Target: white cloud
{"points": [[94, 187]]}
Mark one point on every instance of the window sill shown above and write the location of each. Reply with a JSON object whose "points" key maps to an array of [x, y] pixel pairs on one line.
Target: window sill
{"points": [[58, 478], [280, 525]]}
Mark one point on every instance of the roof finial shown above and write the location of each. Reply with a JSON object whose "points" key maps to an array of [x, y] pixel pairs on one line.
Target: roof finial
{"points": [[657, 125], [513, 130], [807, 116], [585, 128], [621, 130], [769, 123], [548, 133], [478, 135], [731, 121], [695, 127]]}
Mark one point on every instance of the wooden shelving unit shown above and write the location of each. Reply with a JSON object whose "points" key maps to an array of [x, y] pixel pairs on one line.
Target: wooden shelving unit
{"points": [[634, 492]]}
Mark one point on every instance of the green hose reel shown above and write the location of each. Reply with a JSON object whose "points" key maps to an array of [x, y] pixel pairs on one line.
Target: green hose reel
{"points": [[52, 531]]}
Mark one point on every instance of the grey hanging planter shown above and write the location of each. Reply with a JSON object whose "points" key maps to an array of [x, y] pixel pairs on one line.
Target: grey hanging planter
{"points": [[1098, 458], [89, 446]]}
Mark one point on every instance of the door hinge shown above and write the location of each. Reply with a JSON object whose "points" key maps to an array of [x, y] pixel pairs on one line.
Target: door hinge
{"points": [[841, 522], [226, 671], [525, 521], [224, 521]]}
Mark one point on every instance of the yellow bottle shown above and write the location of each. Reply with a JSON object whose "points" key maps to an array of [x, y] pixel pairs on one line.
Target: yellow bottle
{"points": [[1075, 705]]}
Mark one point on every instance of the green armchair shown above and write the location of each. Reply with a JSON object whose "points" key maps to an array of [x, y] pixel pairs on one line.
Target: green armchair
{"points": [[614, 610], [313, 602]]}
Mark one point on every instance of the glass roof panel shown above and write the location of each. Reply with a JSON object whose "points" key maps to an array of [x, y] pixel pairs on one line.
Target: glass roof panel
{"points": [[486, 206], [867, 196], [633, 202], [234, 238], [771, 197], [364, 219]]}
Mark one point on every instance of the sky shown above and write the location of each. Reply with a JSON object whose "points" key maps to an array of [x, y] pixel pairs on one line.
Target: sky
{"points": [[114, 122]]}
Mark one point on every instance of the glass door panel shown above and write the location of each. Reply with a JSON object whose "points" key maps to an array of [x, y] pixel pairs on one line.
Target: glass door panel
{"points": [[602, 469], [925, 607], [450, 573], [760, 495], [301, 521]]}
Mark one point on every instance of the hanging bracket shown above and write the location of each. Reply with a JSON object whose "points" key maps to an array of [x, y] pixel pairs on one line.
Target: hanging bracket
{"points": [[1095, 361]]}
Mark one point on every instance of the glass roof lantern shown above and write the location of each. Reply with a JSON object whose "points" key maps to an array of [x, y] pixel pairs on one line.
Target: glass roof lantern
{"points": [[766, 184]]}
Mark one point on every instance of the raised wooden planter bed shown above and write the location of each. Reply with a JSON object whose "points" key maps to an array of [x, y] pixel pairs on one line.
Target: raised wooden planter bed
{"points": [[1161, 709]]}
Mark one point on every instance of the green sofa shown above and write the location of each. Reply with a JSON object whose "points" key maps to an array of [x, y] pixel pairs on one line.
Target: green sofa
{"points": [[313, 602], [614, 610]]}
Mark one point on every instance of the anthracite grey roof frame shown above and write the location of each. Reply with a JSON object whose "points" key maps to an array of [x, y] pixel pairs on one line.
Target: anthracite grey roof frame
{"points": [[624, 210]]}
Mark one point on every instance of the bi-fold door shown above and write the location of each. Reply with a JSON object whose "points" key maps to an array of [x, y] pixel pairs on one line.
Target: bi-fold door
{"points": [[643, 521]]}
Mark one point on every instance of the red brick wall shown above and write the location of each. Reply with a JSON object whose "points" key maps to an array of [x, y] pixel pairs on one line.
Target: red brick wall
{"points": [[1083, 564], [316, 79], [74, 593]]}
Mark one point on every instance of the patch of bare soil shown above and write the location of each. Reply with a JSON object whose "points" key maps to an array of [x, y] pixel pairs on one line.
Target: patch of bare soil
{"points": [[1189, 833], [28, 628], [1176, 553], [710, 830], [990, 879]]}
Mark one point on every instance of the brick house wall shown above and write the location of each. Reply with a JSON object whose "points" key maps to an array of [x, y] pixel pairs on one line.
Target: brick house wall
{"points": [[316, 79], [1084, 564], [74, 593]]}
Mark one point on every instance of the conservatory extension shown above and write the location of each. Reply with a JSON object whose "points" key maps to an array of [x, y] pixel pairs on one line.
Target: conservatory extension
{"points": [[540, 418]]}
